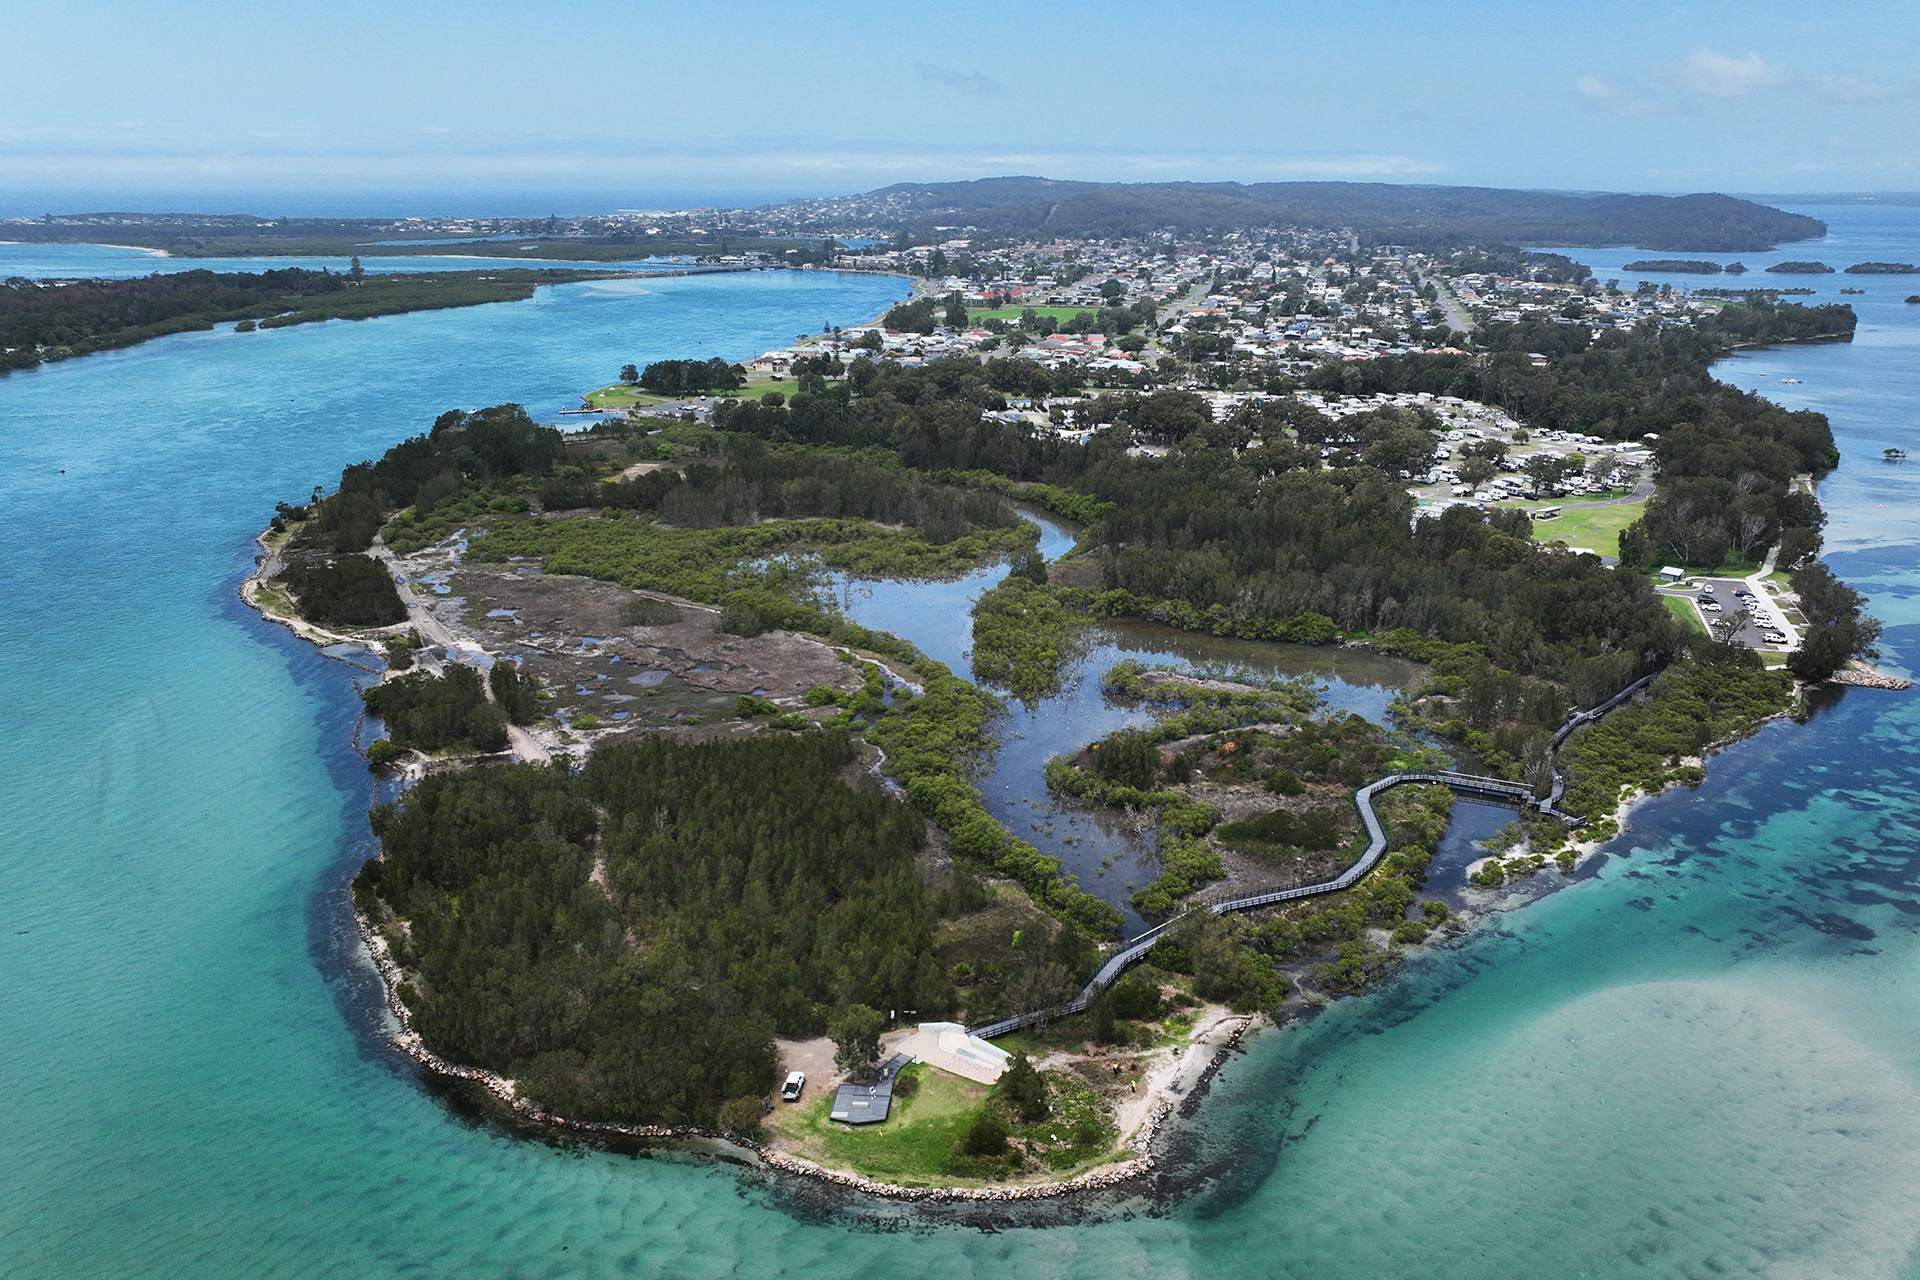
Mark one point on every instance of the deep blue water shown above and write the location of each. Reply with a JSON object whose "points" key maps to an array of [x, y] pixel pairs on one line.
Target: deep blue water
{"points": [[1701, 1059]]}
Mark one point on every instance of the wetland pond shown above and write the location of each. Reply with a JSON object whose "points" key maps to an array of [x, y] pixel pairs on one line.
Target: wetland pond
{"points": [[1109, 853]]}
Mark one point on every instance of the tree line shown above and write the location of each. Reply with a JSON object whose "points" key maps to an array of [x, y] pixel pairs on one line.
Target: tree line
{"points": [[1382, 213], [43, 320]]}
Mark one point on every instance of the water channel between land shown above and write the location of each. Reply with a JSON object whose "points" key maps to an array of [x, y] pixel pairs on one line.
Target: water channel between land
{"points": [[1704, 1058], [1107, 850]]}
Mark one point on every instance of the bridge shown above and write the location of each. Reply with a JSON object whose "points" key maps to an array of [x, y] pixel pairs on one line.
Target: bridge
{"points": [[1497, 789]]}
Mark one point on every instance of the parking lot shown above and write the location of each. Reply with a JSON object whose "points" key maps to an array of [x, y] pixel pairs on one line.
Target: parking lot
{"points": [[1767, 615]]}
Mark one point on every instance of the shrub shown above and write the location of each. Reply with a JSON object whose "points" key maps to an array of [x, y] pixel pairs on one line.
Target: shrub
{"points": [[1136, 997], [1023, 1090], [1285, 782], [1316, 829], [645, 611], [741, 620], [986, 1136], [741, 1118]]}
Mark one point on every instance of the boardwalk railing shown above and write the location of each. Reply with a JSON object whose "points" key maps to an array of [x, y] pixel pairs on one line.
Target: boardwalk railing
{"points": [[1591, 714], [1465, 783], [1136, 950]]}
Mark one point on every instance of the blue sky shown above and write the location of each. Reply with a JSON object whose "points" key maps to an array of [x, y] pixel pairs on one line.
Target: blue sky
{"points": [[572, 107]]}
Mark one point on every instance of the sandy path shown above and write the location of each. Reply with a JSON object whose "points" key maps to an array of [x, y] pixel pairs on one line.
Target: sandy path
{"points": [[526, 746]]}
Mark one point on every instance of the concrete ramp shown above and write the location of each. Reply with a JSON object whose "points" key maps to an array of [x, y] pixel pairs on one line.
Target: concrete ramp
{"points": [[948, 1046]]}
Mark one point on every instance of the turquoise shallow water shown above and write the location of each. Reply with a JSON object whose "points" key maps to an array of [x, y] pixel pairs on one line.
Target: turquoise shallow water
{"points": [[1701, 1059]]}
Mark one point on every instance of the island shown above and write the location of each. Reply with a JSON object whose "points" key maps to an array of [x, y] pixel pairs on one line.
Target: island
{"points": [[1801, 269], [675, 828], [1676, 266], [50, 319], [1883, 269]]}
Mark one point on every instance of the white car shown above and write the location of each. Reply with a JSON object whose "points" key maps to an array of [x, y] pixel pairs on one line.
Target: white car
{"points": [[1710, 607], [790, 1091], [1774, 637]]}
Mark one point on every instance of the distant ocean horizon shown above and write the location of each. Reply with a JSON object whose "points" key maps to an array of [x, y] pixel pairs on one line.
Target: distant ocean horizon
{"points": [[567, 202], [444, 203]]}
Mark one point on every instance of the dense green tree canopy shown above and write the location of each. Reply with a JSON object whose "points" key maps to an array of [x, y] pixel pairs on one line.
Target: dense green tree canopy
{"points": [[743, 889]]}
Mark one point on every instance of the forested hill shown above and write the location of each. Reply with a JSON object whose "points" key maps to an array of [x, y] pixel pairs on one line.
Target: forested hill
{"points": [[1384, 213]]}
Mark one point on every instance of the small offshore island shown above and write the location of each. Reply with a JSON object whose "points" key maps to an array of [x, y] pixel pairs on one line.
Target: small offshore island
{"points": [[675, 827]]}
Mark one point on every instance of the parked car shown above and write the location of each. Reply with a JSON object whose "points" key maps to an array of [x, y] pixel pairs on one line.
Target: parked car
{"points": [[1710, 607], [1775, 637], [790, 1091]]}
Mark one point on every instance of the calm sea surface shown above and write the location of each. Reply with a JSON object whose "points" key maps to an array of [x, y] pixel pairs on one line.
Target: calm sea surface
{"points": [[1703, 1058]]}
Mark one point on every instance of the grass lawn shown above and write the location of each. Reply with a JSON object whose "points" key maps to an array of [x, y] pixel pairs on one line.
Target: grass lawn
{"points": [[621, 396], [909, 1148], [1683, 609], [1060, 314], [1596, 528]]}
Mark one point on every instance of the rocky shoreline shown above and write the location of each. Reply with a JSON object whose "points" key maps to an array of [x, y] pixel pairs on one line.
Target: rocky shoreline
{"points": [[1870, 680], [408, 1041], [1141, 1163]]}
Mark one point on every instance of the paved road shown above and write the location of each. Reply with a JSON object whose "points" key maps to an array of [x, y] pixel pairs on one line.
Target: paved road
{"points": [[1457, 317], [419, 612], [1641, 492]]}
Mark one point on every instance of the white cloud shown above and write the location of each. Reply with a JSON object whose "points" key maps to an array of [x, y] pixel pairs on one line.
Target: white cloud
{"points": [[1625, 102], [1718, 76], [1847, 88], [1706, 73], [974, 84]]}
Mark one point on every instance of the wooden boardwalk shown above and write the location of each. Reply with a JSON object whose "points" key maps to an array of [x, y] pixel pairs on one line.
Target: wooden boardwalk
{"points": [[1497, 789]]}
